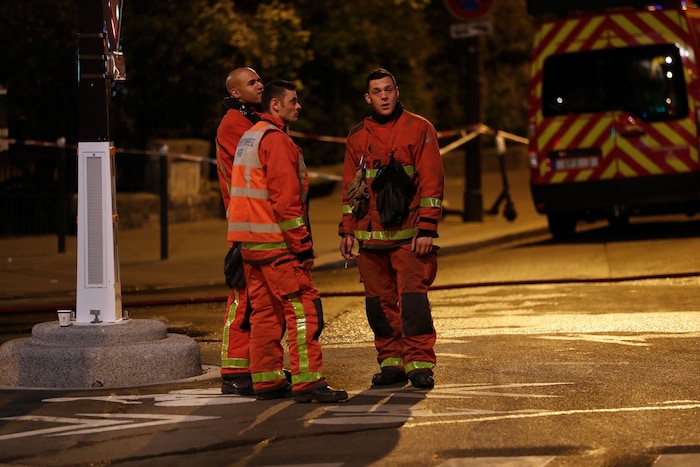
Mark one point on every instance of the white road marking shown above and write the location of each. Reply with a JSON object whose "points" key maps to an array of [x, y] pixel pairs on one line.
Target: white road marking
{"points": [[556, 413], [406, 414], [677, 460], [603, 339], [101, 423], [460, 391], [179, 398], [520, 461], [456, 355]]}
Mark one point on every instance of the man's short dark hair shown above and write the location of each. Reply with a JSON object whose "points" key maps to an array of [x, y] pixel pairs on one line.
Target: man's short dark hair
{"points": [[379, 73], [275, 90]]}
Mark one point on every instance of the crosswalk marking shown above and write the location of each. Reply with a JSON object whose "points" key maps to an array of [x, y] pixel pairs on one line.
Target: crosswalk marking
{"points": [[96, 423]]}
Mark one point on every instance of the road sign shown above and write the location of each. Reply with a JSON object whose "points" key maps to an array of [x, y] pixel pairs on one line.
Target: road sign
{"points": [[468, 9], [472, 28], [113, 15]]}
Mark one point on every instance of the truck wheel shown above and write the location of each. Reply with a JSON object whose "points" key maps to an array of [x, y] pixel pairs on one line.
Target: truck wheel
{"points": [[561, 225]]}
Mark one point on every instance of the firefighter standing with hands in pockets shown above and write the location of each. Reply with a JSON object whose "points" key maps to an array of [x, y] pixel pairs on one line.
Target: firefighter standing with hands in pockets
{"points": [[393, 184]]}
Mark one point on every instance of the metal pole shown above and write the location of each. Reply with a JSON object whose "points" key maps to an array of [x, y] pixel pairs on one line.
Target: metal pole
{"points": [[473, 199], [98, 294], [163, 165], [62, 196]]}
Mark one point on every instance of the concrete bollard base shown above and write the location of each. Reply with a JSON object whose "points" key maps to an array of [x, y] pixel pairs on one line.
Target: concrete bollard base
{"points": [[123, 354]]}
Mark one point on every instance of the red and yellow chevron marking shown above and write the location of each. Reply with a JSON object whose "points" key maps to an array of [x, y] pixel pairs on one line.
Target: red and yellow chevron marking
{"points": [[665, 147]]}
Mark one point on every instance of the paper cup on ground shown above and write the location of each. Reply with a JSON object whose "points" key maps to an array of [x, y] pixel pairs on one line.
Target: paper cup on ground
{"points": [[64, 317]]}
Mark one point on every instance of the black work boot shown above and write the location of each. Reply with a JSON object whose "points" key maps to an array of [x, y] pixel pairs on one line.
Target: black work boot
{"points": [[279, 392], [237, 383], [389, 375], [422, 379], [321, 393]]}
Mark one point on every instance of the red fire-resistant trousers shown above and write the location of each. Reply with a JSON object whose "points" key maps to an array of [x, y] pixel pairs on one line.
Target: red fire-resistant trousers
{"points": [[280, 292], [396, 285], [235, 355]]}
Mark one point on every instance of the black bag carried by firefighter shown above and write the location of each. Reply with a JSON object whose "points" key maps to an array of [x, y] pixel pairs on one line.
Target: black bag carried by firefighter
{"points": [[394, 190], [233, 267]]}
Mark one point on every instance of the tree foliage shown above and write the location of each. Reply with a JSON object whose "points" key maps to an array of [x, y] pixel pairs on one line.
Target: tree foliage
{"points": [[38, 45], [178, 53]]}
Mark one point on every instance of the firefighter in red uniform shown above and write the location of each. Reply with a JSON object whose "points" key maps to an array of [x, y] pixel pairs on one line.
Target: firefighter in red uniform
{"points": [[268, 214], [395, 231], [243, 104]]}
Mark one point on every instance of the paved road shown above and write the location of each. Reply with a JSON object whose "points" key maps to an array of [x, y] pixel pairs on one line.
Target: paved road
{"points": [[594, 371], [541, 400]]}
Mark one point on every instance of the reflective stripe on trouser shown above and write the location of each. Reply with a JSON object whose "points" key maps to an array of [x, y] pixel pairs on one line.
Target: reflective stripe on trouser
{"points": [[235, 356], [282, 293], [396, 289]]}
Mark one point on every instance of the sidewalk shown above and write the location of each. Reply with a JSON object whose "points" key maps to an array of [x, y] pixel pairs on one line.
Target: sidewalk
{"points": [[34, 275]]}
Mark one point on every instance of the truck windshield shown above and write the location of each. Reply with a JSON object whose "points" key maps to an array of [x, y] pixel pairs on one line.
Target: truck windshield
{"points": [[646, 81]]}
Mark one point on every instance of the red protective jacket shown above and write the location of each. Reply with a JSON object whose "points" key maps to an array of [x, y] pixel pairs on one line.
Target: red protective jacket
{"points": [[237, 120], [413, 141]]}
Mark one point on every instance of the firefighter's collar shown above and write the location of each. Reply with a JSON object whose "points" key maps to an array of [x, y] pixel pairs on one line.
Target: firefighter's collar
{"points": [[394, 115], [233, 103]]}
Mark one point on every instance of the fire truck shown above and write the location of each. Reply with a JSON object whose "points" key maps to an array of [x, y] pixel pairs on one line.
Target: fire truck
{"points": [[613, 110]]}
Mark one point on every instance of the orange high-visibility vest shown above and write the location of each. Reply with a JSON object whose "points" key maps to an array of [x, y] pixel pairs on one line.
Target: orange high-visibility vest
{"points": [[250, 213]]}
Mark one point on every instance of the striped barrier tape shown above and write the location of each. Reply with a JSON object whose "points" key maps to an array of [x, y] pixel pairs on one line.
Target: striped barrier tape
{"points": [[472, 131], [327, 139], [336, 139], [60, 143], [465, 135]]}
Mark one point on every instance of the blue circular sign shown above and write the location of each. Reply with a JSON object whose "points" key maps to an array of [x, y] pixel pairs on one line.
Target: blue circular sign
{"points": [[468, 9]]}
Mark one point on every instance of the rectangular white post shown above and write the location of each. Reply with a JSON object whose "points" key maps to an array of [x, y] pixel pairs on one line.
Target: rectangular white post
{"points": [[99, 286]]}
